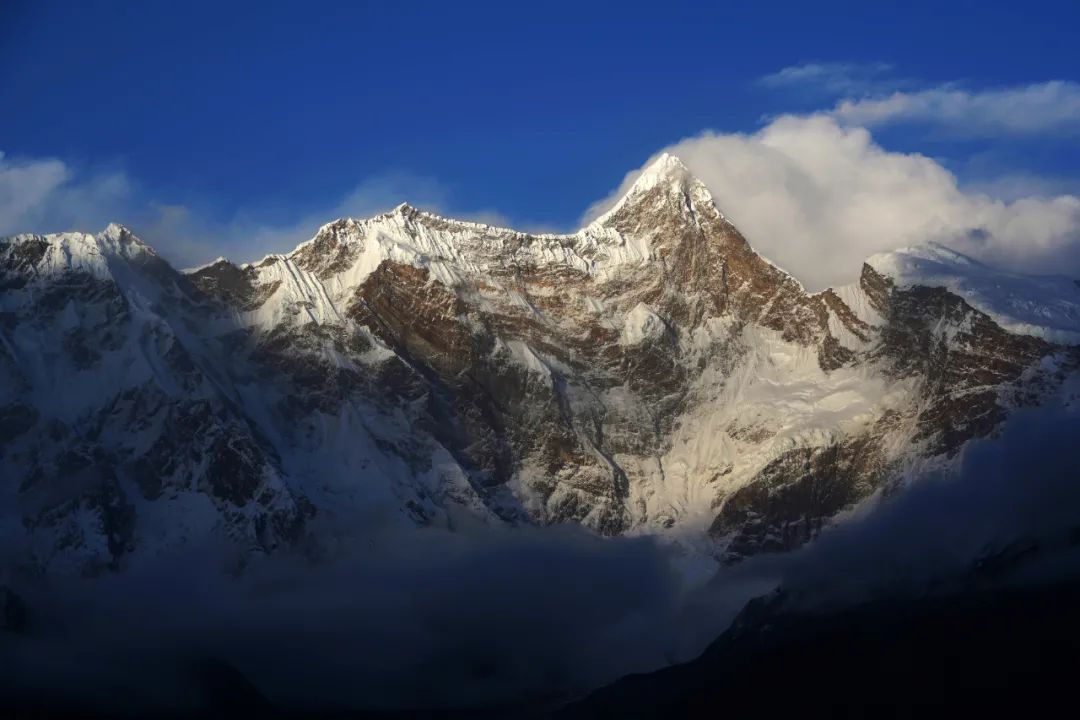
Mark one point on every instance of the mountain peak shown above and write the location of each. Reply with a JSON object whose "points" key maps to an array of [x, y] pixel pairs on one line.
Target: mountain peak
{"points": [[666, 174], [665, 164], [120, 238], [116, 230], [665, 168]]}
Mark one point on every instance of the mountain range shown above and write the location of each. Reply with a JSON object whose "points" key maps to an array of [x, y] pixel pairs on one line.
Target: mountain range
{"points": [[650, 373]]}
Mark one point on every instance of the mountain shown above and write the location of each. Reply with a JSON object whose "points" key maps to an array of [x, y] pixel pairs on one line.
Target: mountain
{"points": [[977, 650], [650, 373]]}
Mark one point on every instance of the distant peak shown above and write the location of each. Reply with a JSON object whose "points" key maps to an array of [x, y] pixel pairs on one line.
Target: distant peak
{"points": [[1045, 306], [213, 264], [121, 235], [924, 255], [116, 231]]}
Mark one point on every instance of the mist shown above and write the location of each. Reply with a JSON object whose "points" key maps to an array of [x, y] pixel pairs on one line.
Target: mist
{"points": [[484, 616], [426, 618], [1009, 512]]}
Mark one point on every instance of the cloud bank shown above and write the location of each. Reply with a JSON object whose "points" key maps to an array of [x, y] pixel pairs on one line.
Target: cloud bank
{"points": [[1013, 496], [818, 197], [414, 618], [48, 193]]}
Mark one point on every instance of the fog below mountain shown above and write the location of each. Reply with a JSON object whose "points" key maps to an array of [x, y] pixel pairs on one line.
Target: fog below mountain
{"points": [[483, 616]]}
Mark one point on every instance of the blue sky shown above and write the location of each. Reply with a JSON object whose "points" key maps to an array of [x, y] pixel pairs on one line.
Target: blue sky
{"points": [[214, 119]]}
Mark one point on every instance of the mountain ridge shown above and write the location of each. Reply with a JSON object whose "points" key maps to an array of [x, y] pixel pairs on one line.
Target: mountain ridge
{"points": [[650, 373]]}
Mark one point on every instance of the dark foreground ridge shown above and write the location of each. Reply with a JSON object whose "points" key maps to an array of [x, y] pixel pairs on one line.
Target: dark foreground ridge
{"points": [[947, 656], [980, 650]]}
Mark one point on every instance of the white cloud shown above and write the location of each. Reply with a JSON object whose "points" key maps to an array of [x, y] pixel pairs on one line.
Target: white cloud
{"points": [[871, 96], [818, 198], [833, 78], [1022, 110], [43, 194], [23, 188]]}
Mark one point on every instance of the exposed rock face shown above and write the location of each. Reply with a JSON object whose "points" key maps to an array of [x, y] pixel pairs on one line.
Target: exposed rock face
{"points": [[650, 371]]}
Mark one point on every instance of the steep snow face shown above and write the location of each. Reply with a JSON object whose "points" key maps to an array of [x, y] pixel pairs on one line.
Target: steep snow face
{"points": [[94, 255], [1043, 306], [642, 324], [135, 416], [115, 440], [451, 251], [68, 289], [775, 400], [649, 373]]}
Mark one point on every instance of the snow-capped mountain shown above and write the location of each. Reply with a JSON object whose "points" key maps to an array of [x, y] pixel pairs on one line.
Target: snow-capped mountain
{"points": [[650, 373]]}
